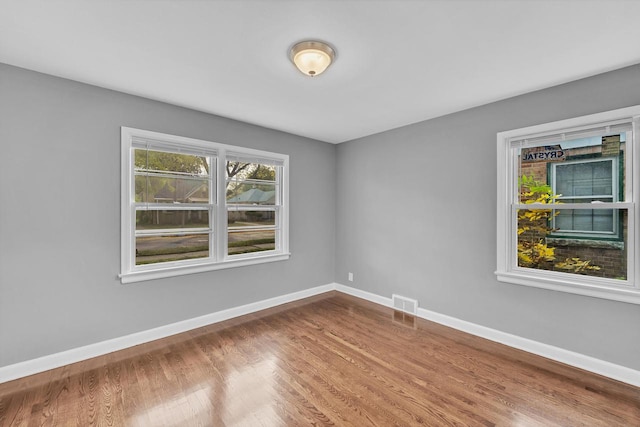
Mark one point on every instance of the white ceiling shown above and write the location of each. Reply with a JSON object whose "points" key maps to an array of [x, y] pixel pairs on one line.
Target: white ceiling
{"points": [[398, 62]]}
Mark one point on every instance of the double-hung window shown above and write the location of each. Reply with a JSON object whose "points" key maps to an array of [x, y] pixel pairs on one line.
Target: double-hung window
{"points": [[567, 216], [190, 206]]}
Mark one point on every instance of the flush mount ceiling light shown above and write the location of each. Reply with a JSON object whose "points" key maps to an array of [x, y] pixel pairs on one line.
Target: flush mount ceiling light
{"points": [[312, 57]]}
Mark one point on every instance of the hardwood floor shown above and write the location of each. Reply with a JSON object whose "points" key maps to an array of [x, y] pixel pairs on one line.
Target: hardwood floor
{"points": [[328, 360]]}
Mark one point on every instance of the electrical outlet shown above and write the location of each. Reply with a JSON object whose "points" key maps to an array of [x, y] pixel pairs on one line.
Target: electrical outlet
{"points": [[351, 277]]}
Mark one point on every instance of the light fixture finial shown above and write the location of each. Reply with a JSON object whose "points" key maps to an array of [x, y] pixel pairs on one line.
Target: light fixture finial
{"points": [[312, 58]]}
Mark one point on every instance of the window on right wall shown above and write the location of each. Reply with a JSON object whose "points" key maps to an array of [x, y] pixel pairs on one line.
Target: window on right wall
{"points": [[567, 217]]}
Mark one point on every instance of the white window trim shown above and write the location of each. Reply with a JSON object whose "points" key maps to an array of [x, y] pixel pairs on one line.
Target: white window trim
{"points": [[130, 273], [507, 268]]}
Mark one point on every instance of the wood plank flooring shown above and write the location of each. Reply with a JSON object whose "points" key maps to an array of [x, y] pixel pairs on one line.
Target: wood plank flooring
{"points": [[331, 360]]}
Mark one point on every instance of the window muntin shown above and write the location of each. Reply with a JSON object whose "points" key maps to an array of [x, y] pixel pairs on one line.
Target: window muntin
{"points": [[575, 223], [177, 196]]}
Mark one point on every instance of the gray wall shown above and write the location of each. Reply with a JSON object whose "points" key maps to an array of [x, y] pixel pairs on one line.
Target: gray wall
{"points": [[60, 218], [404, 224]]}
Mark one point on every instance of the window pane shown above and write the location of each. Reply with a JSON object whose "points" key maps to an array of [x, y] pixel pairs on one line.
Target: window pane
{"points": [[171, 189], [240, 171], [250, 218], [163, 177], [170, 219], [585, 179], [251, 193], [585, 220], [242, 242], [154, 249], [251, 183], [148, 160], [582, 167], [538, 248]]}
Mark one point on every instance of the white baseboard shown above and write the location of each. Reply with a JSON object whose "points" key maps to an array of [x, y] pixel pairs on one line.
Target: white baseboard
{"points": [[588, 363], [363, 294], [45, 363]]}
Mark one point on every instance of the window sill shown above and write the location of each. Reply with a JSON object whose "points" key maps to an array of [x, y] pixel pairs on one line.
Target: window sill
{"points": [[591, 243], [587, 286], [160, 273]]}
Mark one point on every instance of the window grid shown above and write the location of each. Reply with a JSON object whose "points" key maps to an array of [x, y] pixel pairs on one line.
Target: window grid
{"points": [[611, 197]]}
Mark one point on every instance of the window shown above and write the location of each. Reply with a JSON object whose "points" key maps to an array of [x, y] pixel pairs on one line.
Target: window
{"points": [[585, 181], [253, 205], [190, 206], [566, 215], [172, 204]]}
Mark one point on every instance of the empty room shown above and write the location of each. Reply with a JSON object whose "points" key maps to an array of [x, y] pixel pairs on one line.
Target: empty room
{"points": [[329, 213]]}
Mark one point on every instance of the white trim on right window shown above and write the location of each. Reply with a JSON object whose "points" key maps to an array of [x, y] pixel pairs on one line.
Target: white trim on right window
{"points": [[528, 250]]}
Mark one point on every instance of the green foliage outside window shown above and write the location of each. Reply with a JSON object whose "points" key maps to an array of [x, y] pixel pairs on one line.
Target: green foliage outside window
{"points": [[534, 226]]}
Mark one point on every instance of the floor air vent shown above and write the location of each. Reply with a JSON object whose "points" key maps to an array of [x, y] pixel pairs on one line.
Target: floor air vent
{"points": [[405, 304]]}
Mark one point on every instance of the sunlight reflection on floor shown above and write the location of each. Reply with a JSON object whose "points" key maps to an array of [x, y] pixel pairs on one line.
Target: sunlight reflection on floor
{"points": [[180, 411], [251, 395]]}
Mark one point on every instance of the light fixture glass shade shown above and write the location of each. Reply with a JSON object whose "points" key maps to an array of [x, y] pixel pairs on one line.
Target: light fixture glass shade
{"points": [[311, 57]]}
